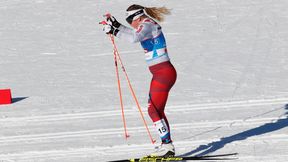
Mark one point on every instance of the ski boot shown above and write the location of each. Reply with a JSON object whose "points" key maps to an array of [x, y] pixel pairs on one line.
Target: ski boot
{"points": [[164, 150]]}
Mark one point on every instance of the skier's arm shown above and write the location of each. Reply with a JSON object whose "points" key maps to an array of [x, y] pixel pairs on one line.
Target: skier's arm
{"points": [[134, 36]]}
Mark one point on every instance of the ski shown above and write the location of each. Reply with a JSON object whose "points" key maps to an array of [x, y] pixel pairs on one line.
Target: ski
{"points": [[181, 158]]}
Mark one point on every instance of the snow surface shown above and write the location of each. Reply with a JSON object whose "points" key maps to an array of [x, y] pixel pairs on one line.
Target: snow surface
{"points": [[230, 96]]}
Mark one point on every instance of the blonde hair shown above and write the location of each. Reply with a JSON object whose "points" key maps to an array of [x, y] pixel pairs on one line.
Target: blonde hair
{"points": [[157, 13]]}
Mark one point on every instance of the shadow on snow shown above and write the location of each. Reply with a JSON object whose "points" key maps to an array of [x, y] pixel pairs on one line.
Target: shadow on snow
{"points": [[17, 99], [266, 128]]}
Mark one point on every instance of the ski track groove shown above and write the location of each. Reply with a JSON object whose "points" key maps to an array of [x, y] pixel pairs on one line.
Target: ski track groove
{"points": [[117, 131], [105, 150], [179, 108]]}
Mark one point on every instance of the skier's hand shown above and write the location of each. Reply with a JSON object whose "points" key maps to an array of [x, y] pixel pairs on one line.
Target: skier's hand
{"points": [[112, 21], [109, 29]]}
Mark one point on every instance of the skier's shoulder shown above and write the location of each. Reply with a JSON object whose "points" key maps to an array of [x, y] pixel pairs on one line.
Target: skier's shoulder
{"points": [[148, 25], [150, 22], [145, 26]]}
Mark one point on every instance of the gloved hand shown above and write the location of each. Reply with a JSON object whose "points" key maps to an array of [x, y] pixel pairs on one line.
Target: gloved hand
{"points": [[109, 29], [112, 21]]}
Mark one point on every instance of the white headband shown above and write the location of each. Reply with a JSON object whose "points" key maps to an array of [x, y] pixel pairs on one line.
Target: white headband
{"points": [[129, 13]]}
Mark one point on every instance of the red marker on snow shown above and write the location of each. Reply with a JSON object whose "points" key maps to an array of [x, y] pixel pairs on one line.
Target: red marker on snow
{"points": [[5, 96]]}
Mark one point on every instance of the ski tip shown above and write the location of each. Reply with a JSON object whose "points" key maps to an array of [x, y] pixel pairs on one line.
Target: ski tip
{"points": [[232, 154], [221, 155]]}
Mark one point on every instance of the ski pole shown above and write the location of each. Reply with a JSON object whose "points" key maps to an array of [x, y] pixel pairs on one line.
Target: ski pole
{"points": [[119, 87], [132, 91], [129, 83], [120, 94]]}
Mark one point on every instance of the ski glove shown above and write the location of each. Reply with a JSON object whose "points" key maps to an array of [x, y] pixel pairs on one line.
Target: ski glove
{"points": [[112, 21], [109, 29]]}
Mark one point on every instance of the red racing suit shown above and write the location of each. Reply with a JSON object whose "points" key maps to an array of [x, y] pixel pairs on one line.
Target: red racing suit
{"points": [[150, 35]]}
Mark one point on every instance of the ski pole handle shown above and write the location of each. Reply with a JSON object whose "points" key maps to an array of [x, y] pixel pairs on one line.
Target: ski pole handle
{"points": [[106, 16], [103, 22]]}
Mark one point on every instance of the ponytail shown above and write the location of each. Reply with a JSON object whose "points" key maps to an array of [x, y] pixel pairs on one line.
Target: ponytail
{"points": [[157, 13]]}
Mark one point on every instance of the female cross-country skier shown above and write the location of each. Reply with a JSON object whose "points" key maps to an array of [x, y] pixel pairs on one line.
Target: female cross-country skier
{"points": [[148, 32]]}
